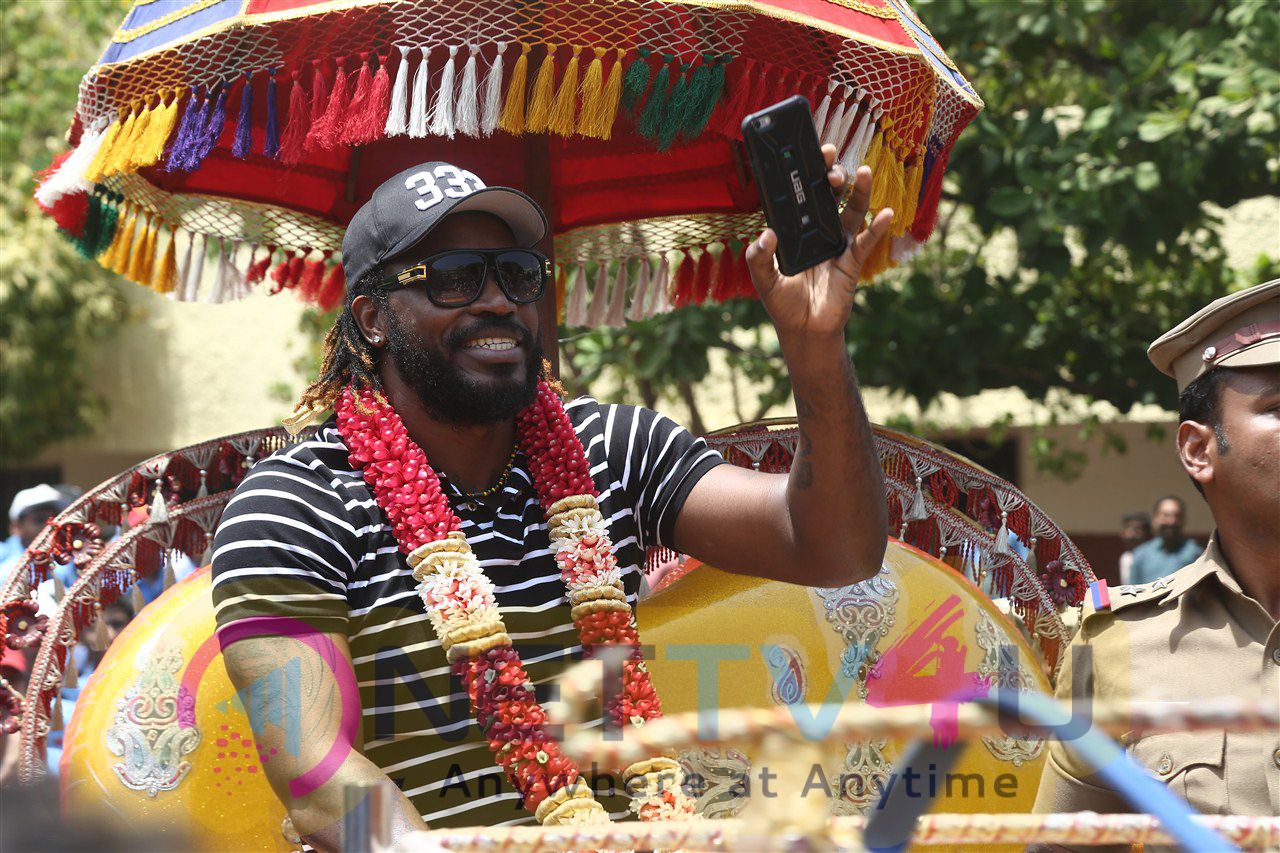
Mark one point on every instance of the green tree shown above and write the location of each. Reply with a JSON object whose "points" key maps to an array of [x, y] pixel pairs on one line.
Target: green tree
{"points": [[1111, 130], [54, 307]]}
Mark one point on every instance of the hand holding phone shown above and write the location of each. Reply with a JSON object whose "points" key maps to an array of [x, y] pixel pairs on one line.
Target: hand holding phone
{"points": [[806, 263]]}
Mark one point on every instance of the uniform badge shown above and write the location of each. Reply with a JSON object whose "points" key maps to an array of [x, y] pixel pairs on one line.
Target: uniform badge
{"points": [[1100, 595]]}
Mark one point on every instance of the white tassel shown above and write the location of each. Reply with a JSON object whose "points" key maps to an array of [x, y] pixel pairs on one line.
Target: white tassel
{"points": [[637, 308], [834, 118], [398, 117], [492, 107], [859, 156], [820, 117], [599, 297], [442, 107], [70, 175], [242, 288], [1002, 536], [159, 512], [917, 511], [844, 133], [661, 302], [224, 287], [575, 313], [194, 268], [467, 113], [418, 103], [616, 318]]}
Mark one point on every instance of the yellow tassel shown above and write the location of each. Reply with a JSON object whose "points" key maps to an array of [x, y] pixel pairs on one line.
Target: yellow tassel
{"points": [[169, 578], [123, 242], [165, 279], [562, 113], [873, 152], [55, 718], [886, 174], [544, 86], [119, 154], [137, 599], [879, 260], [141, 133], [512, 119], [150, 148], [612, 97], [589, 119], [70, 677], [911, 196], [135, 268], [93, 172]]}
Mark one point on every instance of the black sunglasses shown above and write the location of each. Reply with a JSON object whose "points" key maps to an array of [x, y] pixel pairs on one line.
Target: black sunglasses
{"points": [[455, 278]]}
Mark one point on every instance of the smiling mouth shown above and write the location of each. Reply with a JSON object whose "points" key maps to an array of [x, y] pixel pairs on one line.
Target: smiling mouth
{"points": [[493, 344]]}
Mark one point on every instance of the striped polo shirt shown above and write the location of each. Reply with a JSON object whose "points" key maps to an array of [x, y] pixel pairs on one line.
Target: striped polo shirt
{"points": [[304, 538]]}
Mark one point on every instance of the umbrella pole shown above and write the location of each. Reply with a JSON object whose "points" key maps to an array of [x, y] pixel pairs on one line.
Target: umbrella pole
{"points": [[537, 171]]}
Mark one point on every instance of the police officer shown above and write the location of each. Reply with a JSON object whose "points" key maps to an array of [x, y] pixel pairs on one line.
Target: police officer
{"points": [[1209, 629]]}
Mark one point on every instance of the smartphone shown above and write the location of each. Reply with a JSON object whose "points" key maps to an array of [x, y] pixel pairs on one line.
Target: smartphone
{"points": [[799, 206]]}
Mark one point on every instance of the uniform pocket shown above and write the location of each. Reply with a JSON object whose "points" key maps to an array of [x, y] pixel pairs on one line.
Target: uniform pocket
{"points": [[1190, 763]]}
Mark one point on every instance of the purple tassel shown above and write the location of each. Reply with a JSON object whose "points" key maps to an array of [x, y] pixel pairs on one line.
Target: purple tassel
{"points": [[180, 147], [212, 130], [271, 140], [244, 132], [191, 152]]}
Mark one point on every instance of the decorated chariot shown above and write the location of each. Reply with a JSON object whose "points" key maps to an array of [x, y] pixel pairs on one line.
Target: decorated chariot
{"points": [[220, 146]]}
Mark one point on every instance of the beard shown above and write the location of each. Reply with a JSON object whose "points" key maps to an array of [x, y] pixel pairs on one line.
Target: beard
{"points": [[447, 393]]}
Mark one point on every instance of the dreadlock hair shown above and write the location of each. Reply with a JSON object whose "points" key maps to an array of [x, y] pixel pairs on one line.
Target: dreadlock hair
{"points": [[348, 358]]}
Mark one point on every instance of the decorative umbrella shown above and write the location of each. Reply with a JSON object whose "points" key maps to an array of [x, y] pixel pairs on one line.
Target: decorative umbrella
{"points": [[239, 136]]}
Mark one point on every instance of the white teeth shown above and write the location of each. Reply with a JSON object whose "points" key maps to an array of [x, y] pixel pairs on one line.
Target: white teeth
{"points": [[493, 343]]}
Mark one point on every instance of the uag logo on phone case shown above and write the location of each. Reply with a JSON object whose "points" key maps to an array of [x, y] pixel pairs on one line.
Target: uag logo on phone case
{"points": [[797, 186]]}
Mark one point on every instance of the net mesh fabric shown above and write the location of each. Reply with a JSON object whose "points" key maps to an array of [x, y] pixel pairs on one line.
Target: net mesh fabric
{"points": [[685, 31], [230, 219]]}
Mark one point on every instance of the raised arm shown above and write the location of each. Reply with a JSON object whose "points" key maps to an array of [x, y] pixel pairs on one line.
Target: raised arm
{"points": [[824, 524], [304, 706]]}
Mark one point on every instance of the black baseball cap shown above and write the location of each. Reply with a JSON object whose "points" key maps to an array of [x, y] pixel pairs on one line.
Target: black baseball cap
{"points": [[405, 208]]}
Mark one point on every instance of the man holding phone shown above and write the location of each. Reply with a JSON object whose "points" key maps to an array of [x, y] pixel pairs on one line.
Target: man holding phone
{"points": [[435, 357]]}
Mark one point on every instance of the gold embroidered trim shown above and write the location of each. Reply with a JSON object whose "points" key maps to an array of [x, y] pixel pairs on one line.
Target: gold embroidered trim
{"points": [[124, 36]]}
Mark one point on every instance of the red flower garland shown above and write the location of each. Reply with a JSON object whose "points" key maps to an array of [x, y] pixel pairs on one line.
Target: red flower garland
{"points": [[409, 492]]}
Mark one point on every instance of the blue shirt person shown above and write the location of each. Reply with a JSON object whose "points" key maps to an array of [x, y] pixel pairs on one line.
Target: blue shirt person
{"points": [[1170, 550]]}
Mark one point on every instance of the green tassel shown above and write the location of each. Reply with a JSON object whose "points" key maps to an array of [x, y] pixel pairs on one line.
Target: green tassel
{"points": [[655, 110], [710, 88], [110, 221], [677, 105], [88, 238], [636, 80]]}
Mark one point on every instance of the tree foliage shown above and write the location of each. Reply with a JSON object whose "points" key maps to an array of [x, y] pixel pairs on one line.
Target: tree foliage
{"points": [[54, 306], [1111, 130]]}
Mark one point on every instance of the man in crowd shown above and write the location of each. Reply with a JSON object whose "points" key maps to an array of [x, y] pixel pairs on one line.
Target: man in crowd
{"points": [[435, 357], [1134, 530], [1210, 629], [30, 510], [1170, 550]]}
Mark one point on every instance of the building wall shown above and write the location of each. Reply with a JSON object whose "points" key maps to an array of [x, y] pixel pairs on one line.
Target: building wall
{"points": [[181, 373]]}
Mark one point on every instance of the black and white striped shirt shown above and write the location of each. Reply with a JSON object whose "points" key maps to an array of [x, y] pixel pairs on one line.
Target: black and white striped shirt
{"points": [[303, 538]]}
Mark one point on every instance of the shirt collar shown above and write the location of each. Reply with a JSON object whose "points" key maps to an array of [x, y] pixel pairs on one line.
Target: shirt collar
{"points": [[1211, 568]]}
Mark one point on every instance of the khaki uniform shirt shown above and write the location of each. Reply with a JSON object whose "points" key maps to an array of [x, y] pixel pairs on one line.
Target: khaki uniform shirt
{"points": [[1192, 634]]}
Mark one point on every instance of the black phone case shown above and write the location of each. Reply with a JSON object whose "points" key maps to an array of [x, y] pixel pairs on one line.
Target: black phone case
{"points": [[792, 176]]}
